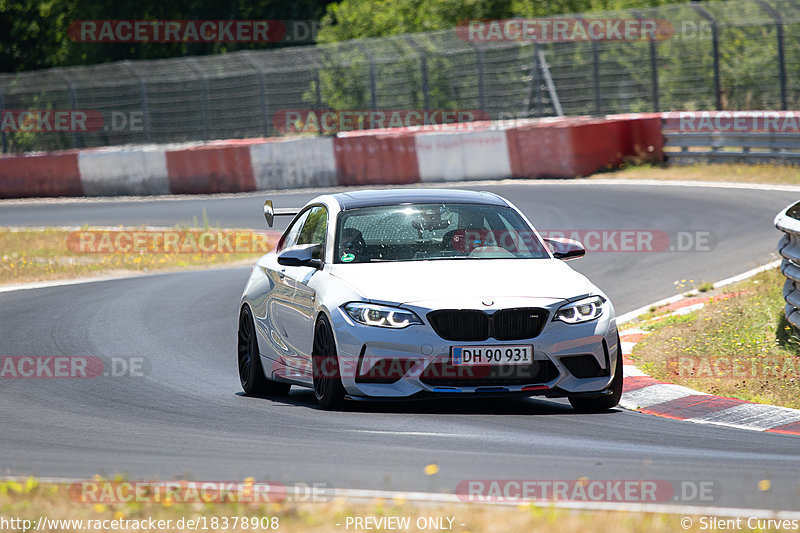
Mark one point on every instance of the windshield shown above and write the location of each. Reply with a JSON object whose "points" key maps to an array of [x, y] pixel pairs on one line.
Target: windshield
{"points": [[434, 231]]}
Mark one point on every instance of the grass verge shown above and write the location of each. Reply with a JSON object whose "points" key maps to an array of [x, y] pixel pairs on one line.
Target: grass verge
{"points": [[741, 173], [29, 500], [31, 255], [739, 346]]}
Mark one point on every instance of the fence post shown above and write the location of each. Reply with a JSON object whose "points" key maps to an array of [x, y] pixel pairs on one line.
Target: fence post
{"points": [[537, 70], [262, 90], [598, 102], [551, 86], [372, 88], [715, 50], [319, 88], [203, 94], [781, 60], [2, 131], [531, 103], [423, 67], [653, 66], [73, 102], [479, 64], [318, 66], [143, 91]]}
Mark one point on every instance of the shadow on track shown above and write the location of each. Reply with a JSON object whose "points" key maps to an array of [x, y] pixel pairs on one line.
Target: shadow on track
{"points": [[449, 406]]}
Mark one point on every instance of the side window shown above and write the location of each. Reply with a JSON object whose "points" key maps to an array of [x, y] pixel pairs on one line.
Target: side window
{"points": [[290, 237], [315, 226]]}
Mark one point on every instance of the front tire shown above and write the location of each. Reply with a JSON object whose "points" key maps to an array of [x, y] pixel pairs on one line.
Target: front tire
{"points": [[251, 373], [327, 378], [603, 403]]}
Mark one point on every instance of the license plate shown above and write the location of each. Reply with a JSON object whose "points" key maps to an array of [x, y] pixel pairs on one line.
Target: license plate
{"points": [[492, 355]]}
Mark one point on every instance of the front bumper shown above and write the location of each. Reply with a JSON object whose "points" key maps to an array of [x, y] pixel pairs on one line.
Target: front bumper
{"points": [[568, 359]]}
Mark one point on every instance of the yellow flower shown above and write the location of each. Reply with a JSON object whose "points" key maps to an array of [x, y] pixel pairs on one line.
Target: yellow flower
{"points": [[431, 469]]}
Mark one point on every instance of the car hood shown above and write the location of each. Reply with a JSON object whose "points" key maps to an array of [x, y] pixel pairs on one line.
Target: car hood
{"points": [[409, 282]]}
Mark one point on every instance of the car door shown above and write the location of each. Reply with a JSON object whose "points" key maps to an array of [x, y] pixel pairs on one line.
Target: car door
{"points": [[297, 318], [280, 298]]}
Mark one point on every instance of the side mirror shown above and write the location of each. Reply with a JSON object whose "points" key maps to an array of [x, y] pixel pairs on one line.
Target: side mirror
{"points": [[565, 249], [306, 255], [269, 212]]}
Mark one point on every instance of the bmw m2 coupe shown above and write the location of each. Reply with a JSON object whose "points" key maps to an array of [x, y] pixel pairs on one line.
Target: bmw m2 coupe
{"points": [[414, 293]]}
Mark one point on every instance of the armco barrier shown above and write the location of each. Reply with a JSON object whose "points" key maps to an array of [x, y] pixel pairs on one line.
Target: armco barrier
{"points": [[788, 221], [755, 137], [563, 148]]}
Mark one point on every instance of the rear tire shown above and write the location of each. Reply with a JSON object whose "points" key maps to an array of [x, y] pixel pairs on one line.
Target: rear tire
{"points": [[603, 403], [327, 378], [251, 373]]}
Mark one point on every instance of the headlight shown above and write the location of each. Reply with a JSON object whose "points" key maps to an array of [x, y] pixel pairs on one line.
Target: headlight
{"points": [[382, 316], [581, 311]]}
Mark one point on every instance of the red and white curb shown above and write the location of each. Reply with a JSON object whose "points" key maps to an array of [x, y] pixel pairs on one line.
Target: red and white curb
{"points": [[650, 396]]}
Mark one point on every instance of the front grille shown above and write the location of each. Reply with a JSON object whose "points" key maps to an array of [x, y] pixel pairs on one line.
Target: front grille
{"points": [[516, 324], [457, 325], [473, 325], [442, 373]]}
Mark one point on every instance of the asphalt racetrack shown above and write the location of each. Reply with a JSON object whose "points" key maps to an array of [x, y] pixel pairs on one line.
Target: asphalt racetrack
{"points": [[187, 418]]}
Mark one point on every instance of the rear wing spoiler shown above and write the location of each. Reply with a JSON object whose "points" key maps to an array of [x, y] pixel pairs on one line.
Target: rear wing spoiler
{"points": [[270, 212]]}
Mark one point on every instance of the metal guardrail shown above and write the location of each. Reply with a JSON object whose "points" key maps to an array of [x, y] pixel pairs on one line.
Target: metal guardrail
{"points": [[730, 147], [788, 221]]}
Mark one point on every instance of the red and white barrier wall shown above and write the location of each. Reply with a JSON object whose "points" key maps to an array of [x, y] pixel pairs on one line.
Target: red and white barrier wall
{"points": [[562, 148]]}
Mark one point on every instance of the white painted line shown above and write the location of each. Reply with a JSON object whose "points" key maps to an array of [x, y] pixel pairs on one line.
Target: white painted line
{"points": [[59, 283], [636, 313], [96, 279], [751, 416], [633, 331], [627, 347], [748, 274], [689, 183], [655, 394], [409, 433], [688, 309], [629, 371], [503, 182]]}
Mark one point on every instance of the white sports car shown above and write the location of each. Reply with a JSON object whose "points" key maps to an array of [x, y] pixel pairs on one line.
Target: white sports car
{"points": [[412, 293]]}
